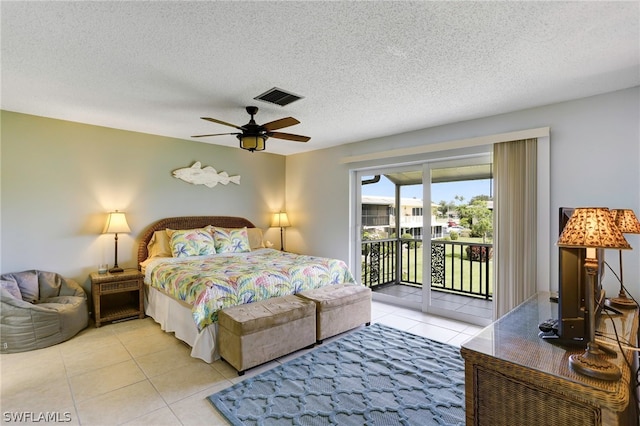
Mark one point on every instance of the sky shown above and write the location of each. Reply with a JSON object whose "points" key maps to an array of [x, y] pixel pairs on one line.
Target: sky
{"points": [[439, 191]]}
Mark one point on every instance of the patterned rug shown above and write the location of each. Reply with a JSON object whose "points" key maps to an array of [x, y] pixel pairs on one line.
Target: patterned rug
{"points": [[376, 375]]}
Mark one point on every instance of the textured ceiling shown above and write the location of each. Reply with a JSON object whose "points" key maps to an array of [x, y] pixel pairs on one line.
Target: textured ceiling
{"points": [[365, 69]]}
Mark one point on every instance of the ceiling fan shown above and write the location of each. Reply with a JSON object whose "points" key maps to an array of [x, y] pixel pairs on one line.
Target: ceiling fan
{"points": [[253, 135]]}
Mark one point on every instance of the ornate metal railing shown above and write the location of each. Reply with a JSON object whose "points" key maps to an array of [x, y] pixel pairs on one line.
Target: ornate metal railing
{"points": [[462, 267], [456, 267], [379, 262]]}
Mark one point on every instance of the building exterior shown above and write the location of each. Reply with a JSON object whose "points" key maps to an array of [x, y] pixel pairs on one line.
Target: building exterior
{"points": [[379, 217]]}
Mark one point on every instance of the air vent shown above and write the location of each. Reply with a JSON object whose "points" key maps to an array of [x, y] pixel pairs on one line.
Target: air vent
{"points": [[278, 97]]}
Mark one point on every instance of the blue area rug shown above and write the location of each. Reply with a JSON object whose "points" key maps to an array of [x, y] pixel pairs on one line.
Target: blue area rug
{"points": [[374, 376]]}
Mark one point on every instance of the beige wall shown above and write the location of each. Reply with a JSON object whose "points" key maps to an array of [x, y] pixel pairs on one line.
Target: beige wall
{"points": [[594, 161], [59, 179]]}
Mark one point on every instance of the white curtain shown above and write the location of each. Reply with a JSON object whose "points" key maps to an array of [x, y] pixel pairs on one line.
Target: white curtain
{"points": [[515, 219]]}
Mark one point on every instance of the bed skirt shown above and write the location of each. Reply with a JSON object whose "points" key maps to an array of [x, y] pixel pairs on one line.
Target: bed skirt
{"points": [[176, 318]]}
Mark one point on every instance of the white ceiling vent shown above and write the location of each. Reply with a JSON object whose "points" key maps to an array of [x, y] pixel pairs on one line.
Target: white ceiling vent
{"points": [[278, 97]]}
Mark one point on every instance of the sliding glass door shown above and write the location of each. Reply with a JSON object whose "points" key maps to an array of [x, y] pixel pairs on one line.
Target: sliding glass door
{"points": [[433, 256], [458, 254]]}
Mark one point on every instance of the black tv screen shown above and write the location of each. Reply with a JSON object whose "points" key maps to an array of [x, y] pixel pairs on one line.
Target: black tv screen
{"points": [[573, 323]]}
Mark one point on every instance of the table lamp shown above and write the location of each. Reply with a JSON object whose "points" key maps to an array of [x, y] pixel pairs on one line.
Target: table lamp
{"points": [[627, 222], [280, 220], [592, 228], [116, 224]]}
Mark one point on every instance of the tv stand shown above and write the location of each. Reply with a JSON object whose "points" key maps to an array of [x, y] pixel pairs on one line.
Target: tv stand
{"points": [[514, 377], [554, 339]]}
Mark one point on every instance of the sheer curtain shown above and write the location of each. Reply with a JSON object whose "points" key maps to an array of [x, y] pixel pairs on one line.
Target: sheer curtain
{"points": [[515, 219]]}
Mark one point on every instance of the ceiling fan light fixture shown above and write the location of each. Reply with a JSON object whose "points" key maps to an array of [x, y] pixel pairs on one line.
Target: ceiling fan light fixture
{"points": [[254, 136], [253, 142]]}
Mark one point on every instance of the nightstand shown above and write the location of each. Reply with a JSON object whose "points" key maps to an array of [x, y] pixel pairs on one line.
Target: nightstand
{"points": [[117, 296]]}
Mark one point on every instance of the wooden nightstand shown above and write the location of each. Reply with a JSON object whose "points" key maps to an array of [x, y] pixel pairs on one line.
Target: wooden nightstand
{"points": [[117, 296]]}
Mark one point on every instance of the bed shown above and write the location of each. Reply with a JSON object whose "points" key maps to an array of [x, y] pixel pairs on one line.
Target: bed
{"points": [[187, 282]]}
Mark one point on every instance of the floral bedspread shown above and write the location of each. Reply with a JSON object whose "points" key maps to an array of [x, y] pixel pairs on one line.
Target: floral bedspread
{"points": [[211, 283]]}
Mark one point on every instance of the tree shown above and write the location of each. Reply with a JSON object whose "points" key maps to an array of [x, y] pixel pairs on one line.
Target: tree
{"points": [[477, 216], [479, 198], [444, 208]]}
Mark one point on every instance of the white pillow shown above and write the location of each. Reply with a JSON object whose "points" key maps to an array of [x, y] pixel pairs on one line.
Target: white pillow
{"points": [[255, 238]]}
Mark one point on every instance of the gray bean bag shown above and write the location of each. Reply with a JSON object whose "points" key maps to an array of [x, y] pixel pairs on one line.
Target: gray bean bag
{"points": [[39, 309]]}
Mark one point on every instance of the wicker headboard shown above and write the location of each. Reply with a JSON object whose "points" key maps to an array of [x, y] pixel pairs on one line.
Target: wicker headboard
{"points": [[188, 222]]}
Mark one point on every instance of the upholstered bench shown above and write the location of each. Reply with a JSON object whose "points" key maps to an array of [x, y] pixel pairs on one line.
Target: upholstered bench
{"points": [[255, 333], [339, 308]]}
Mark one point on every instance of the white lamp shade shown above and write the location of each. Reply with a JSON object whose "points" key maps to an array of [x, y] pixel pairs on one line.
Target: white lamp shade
{"points": [[280, 220], [116, 224]]}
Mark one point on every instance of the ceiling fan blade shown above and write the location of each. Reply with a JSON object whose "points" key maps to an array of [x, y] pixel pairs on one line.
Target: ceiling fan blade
{"points": [[288, 136], [224, 123], [280, 124], [215, 134]]}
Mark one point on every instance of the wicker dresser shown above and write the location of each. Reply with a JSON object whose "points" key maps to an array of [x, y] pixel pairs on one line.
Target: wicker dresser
{"points": [[512, 377]]}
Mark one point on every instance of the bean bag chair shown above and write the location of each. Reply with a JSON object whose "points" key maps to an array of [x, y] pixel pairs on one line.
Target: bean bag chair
{"points": [[39, 309]]}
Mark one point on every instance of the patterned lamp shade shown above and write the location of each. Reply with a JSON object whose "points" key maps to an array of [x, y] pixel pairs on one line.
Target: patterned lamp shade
{"points": [[626, 221], [592, 227]]}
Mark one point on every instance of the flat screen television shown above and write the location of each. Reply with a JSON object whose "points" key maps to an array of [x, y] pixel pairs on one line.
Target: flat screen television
{"points": [[573, 320]]}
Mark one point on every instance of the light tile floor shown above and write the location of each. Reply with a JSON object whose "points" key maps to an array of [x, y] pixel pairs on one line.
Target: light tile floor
{"points": [[133, 373]]}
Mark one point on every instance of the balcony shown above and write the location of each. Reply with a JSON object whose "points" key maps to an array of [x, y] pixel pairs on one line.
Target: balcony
{"points": [[461, 272]]}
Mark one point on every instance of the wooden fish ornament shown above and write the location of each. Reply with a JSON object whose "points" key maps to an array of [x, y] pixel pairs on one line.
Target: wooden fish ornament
{"points": [[207, 176]]}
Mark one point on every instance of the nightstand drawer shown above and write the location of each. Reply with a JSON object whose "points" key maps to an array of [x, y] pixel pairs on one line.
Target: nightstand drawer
{"points": [[117, 287]]}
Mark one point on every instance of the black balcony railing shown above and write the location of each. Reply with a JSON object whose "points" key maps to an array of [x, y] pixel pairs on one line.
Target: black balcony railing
{"points": [[456, 267], [379, 262]]}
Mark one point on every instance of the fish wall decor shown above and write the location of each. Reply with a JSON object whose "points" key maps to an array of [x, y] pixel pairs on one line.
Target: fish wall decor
{"points": [[207, 176]]}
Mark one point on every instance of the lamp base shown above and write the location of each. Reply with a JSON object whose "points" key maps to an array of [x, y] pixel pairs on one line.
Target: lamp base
{"points": [[591, 364], [622, 301], [115, 270]]}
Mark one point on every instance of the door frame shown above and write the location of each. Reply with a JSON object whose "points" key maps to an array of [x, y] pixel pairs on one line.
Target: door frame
{"points": [[356, 216], [356, 176]]}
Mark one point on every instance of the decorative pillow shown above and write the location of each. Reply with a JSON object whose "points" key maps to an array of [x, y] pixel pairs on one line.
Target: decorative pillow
{"points": [[190, 242], [12, 288], [255, 238], [231, 240], [159, 245]]}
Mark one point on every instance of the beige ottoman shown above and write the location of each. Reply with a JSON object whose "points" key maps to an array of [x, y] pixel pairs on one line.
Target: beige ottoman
{"points": [[339, 308], [255, 333]]}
